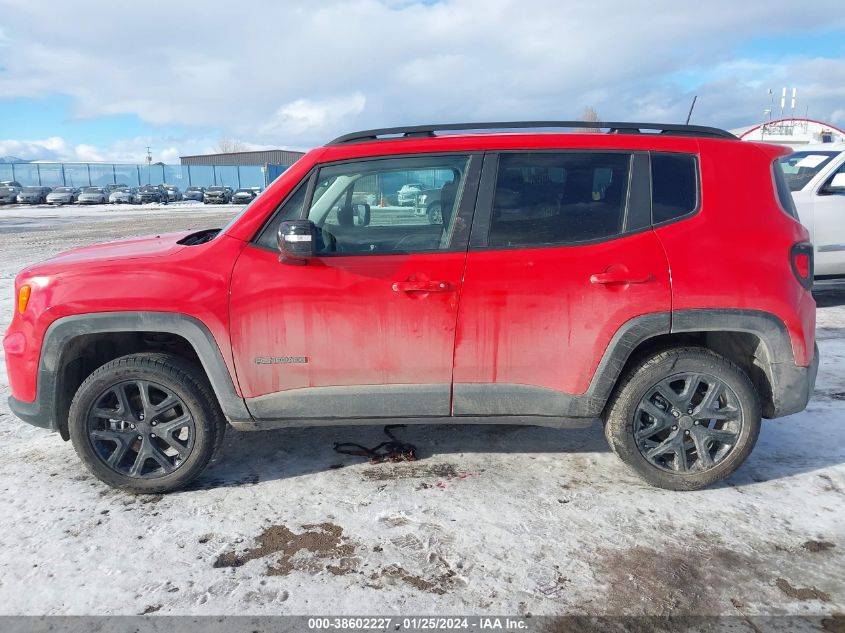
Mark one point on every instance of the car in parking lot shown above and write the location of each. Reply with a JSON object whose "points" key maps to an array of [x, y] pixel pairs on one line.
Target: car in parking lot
{"points": [[92, 195], [9, 194], [153, 193], [173, 193], [63, 195], [619, 277], [428, 203], [33, 195], [243, 196], [125, 195], [407, 194], [194, 193], [815, 175], [217, 195]]}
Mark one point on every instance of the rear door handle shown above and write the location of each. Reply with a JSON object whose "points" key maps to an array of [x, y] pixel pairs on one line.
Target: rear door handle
{"points": [[421, 286], [619, 277]]}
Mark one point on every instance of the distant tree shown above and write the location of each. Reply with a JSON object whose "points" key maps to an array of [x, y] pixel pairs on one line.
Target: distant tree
{"points": [[229, 145], [589, 114]]}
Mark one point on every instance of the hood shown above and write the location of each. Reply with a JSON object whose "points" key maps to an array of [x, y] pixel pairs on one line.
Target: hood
{"points": [[137, 248]]}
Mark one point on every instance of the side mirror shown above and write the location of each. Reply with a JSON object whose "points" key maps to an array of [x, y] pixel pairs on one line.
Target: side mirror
{"points": [[836, 185], [296, 240]]}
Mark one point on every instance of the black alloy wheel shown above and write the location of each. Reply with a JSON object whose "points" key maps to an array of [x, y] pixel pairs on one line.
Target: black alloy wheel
{"points": [[687, 422], [141, 429]]}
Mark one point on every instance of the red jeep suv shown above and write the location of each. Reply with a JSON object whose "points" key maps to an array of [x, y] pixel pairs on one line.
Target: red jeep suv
{"points": [[654, 277]]}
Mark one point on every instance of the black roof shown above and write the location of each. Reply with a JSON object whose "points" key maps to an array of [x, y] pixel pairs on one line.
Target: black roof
{"points": [[612, 127]]}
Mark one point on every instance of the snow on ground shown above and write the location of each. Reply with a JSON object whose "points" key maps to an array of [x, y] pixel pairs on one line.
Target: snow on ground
{"points": [[491, 519]]}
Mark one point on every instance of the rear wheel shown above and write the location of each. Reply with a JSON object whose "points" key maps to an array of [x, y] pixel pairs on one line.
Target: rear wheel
{"points": [[684, 418], [146, 423]]}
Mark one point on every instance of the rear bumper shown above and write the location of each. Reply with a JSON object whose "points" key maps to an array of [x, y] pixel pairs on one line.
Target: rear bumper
{"points": [[793, 385], [33, 413]]}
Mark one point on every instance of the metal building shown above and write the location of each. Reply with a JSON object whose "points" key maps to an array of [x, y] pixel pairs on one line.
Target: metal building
{"points": [[261, 157]]}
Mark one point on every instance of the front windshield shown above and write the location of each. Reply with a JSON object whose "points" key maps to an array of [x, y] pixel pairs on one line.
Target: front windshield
{"points": [[62, 190], [91, 190], [32, 189], [799, 168]]}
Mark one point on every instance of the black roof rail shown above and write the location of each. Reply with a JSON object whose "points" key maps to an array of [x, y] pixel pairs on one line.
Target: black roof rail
{"points": [[425, 131]]}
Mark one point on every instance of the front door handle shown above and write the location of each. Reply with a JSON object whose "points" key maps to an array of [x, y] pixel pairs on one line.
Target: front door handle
{"points": [[619, 276], [421, 286]]}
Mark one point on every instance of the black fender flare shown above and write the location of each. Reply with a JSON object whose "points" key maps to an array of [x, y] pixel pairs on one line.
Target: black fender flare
{"points": [[44, 412]]}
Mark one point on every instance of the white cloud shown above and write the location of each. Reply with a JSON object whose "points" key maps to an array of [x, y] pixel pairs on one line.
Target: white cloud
{"points": [[305, 115], [297, 73], [122, 151], [53, 148]]}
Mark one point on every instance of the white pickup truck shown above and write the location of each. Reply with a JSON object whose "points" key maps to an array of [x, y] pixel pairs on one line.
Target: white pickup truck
{"points": [[815, 175]]}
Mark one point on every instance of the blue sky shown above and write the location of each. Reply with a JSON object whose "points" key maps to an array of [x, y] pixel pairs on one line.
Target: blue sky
{"points": [[94, 81]]}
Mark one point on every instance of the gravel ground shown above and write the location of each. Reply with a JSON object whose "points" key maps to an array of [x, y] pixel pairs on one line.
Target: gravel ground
{"points": [[489, 520]]}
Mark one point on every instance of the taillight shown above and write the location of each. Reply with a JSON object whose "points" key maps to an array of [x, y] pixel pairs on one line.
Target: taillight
{"points": [[801, 258]]}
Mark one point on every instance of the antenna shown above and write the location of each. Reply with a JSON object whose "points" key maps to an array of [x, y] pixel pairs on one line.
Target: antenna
{"points": [[692, 105]]}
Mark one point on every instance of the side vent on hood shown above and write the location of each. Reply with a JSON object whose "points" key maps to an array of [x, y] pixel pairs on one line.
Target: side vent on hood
{"points": [[200, 237]]}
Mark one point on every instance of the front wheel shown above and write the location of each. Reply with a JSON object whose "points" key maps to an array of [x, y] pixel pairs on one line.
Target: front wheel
{"points": [[435, 214], [684, 418], [146, 423]]}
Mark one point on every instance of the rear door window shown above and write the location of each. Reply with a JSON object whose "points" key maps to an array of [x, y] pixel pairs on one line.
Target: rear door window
{"points": [[562, 198]]}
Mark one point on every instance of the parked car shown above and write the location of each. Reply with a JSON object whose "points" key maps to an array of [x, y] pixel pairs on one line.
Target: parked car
{"points": [[33, 195], [428, 204], [407, 194], [153, 193], [110, 187], [815, 175], [173, 193], [11, 183], [243, 196], [9, 194], [217, 195], [125, 195], [194, 193], [544, 297], [63, 195], [92, 195]]}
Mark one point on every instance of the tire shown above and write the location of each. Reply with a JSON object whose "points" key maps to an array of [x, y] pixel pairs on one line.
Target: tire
{"points": [[163, 374], [435, 214], [643, 429]]}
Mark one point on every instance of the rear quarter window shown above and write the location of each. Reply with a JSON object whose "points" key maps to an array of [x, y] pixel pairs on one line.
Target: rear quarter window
{"points": [[674, 186], [784, 195]]}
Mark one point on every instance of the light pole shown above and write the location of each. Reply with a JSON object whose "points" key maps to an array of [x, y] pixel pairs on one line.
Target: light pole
{"points": [[149, 163]]}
